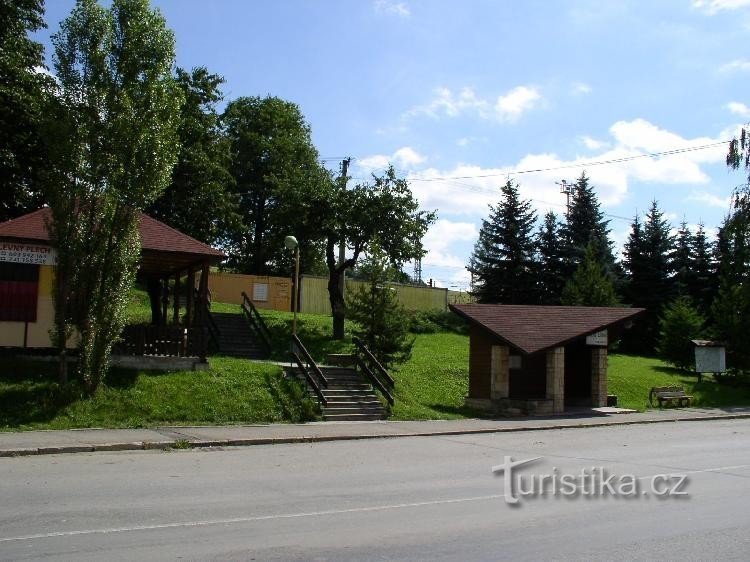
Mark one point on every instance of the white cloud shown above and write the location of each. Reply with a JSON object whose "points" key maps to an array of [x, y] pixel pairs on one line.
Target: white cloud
{"points": [[467, 189], [405, 157], [516, 102], [593, 144], [712, 7], [400, 9], [441, 236], [738, 108], [737, 65], [371, 163], [506, 108], [710, 199], [580, 89]]}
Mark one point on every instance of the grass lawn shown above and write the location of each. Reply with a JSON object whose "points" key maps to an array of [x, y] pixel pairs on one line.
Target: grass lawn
{"points": [[434, 382], [632, 377], [431, 385], [232, 391]]}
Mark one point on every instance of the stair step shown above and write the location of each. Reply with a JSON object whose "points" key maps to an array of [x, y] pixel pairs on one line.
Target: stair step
{"points": [[353, 417], [363, 411]]}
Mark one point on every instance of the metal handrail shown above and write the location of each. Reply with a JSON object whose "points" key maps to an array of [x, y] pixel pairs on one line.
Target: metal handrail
{"points": [[310, 379], [297, 346], [256, 321], [381, 370], [385, 386]]}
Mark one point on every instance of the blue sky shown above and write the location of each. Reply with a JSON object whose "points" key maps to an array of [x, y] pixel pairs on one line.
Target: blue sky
{"points": [[450, 91]]}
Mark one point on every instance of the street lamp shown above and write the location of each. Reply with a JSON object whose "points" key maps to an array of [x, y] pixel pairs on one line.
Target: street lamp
{"points": [[290, 242]]}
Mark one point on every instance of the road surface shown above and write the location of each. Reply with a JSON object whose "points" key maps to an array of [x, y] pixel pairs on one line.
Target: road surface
{"points": [[428, 498]]}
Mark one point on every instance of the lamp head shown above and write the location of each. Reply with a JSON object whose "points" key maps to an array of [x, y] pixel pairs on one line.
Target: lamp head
{"points": [[290, 242]]}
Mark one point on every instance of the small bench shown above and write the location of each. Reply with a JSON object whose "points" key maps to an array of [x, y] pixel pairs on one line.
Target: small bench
{"points": [[669, 394]]}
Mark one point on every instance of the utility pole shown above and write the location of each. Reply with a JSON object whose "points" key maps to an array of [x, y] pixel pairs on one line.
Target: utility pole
{"points": [[567, 189], [342, 242]]}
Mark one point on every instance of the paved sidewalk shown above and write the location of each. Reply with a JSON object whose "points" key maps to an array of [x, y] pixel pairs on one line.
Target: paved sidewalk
{"points": [[91, 440]]}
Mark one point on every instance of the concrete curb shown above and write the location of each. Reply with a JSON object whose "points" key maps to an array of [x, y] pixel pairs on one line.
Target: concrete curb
{"points": [[249, 442]]}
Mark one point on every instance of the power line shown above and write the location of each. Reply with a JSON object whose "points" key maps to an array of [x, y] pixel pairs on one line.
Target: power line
{"points": [[581, 165]]}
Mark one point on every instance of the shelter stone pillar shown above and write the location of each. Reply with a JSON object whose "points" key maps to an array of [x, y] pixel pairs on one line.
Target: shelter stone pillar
{"points": [[598, 377], [499, 372], [556, 378]]}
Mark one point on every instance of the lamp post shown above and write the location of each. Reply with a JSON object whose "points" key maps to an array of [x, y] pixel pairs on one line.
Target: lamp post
{"points": [[290, 242]]}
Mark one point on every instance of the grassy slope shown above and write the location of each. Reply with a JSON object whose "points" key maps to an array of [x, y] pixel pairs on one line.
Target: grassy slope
{"points": [[232, 391], [431, 385], [632, 377]]}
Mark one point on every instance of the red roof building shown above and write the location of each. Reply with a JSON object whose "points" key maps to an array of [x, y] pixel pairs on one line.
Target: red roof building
{"points": [[170, 264], [539, 359]]}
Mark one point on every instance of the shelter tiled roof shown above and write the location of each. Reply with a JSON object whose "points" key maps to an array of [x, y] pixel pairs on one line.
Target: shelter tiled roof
{"points": [[536, 328], [155, 235]]}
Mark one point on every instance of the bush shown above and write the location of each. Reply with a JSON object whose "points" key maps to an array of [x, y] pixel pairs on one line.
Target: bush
{"points": [[432, 321], [680, 322]]}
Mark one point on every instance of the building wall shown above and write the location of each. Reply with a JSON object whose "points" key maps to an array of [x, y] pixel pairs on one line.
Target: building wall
{"points": [[480, 362], [314, 295], [273, 293], [37, 333]]}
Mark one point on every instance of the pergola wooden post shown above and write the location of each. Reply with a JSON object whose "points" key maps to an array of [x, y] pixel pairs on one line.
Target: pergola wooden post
{"points": [[190, 294], [176, 299]]}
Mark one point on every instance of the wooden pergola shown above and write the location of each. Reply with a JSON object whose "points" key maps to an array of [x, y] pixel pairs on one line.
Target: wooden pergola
{"points": [[167, 256]]}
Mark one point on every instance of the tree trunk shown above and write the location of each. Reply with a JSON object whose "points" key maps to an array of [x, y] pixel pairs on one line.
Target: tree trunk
{"points": [[338, 307]]}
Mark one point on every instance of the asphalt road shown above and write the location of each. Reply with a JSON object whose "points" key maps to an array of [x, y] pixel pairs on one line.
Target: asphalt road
{"points": [[410, 498]]}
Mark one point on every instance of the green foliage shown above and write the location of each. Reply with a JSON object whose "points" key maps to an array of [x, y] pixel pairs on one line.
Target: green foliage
{"points": [[731, 314], [551, 264], [680, 322], [589, 285], [282, 188], [379, 318], [116, 116], [585, 225], [433, 321], [503, 259], [23, 92], [648, 261], [383, 213], [199, 200]]}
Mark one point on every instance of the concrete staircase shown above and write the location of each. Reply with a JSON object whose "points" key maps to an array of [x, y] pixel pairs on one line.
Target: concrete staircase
{"points": [[237, 339], [349, 396]]}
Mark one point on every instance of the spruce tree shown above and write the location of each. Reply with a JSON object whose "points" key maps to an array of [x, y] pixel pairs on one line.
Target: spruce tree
{"points": [[550, 261], [647, 258], [703, 285], [377, 315], [585, 223], [589, 285], [503, 259], [682, 261]]}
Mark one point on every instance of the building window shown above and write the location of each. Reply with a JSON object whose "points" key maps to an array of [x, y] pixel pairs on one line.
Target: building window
{"points": [[19, 288]]}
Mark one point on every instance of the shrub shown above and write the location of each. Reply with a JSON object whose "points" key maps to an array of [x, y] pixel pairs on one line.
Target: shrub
{"points": [[680, 322]]}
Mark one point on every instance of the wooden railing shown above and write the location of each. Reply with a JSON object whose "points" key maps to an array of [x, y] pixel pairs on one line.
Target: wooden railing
{"points": [[162, 341], [256, 322], [314, 376], [374, 371]]}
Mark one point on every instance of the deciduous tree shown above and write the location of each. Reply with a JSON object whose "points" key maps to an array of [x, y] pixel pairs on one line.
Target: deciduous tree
{"points": [[117, 143], [24, 87]]}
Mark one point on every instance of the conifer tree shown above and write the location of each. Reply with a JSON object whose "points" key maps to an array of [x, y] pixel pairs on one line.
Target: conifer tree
{"points": [[550, 261], [589, 285], [585, 223], [503, 259], [647, 258]]}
